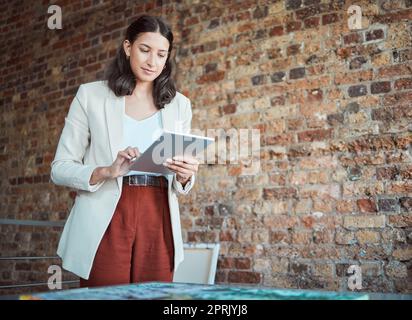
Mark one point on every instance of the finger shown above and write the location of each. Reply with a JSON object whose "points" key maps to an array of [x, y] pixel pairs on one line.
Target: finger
{"points": [[192, 167], [125, 151], [184, 165], [125, 155], [180, 170], [131, 151], [186, 159]]}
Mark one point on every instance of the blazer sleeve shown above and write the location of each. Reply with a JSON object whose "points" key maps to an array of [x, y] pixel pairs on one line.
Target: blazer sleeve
{"points": [[67, 168], [186, 127]]}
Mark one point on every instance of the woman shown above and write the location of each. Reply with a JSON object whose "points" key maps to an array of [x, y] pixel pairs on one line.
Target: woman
{"points": [[124, 226]]}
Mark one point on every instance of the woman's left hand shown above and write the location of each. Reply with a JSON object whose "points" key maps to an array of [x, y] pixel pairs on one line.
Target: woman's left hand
{"points": [[184, 167]]}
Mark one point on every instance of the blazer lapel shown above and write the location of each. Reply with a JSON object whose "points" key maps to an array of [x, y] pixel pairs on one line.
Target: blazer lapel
{"points": [[114, 120], [168, 120], [167, 117], [113, 107]]}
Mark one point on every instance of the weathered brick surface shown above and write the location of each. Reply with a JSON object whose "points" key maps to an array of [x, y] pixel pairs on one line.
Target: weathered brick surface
{"points": [[333, 106]]}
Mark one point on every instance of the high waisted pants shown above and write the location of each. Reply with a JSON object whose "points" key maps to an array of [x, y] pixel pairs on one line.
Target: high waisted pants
{"points": [[138, 243]]}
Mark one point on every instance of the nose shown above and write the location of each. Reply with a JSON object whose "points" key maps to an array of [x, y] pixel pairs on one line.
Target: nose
{"points": [[151, 60]]}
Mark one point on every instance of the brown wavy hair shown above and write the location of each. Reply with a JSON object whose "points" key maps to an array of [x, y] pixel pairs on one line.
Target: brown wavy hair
{"points": [[119, 75]]}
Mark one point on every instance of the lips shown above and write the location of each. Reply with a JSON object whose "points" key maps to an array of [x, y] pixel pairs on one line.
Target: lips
{"points": [[147, 70]]}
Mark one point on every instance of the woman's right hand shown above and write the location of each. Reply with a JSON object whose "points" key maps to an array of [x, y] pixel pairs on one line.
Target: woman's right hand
{"points": [[122, 164]]}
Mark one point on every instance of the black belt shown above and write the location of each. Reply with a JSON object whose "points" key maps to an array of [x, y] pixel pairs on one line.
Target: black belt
{"points": [[145, 180]]}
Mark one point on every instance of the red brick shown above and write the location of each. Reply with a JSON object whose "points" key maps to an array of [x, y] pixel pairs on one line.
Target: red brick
{"points": [[276, 31], [315, 135], [191, 21], [357, 63], [366, 205], [393, 17], [374, 35], [278, 193], [387, 173], [243, 16], [226, 263], [402, 84], [358, 90], [244, 277], [397, 98], [201, 236], [330, 18], [399, 187], [226, 236], [406, 173], [260, 12], [242, 263], [292, 4], [314, 95], [293, 26], [394, 70], [388, 205], [293, 49], [372, 143], [401, 221], [277, 101], [352, 38], [211, 77], [297, 73], [281, 139], [380, 87], [307, 12], [279, 237], [229, 108], [311, 22]]}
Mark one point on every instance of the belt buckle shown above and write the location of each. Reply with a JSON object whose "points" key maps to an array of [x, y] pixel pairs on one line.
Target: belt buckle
{"points": [[132, 180]]}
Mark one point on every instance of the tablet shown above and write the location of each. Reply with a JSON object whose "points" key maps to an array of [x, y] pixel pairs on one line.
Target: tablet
{"points": [[169, 145]]}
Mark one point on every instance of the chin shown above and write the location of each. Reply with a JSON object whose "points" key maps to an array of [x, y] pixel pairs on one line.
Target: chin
{"points": [[146, 77]]}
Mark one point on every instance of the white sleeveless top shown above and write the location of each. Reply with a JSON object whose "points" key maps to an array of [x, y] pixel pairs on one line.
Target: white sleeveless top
{"points": [[141, 134]]}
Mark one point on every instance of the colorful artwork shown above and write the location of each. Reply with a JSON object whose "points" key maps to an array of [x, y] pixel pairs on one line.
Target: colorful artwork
{"points": [[183, 291]]}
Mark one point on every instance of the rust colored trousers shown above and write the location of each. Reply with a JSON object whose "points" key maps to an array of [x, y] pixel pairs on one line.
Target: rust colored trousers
{"points": [[138, 243]]}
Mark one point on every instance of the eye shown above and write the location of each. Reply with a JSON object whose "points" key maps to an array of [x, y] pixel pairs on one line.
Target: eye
{"points": [[144, 50], [161, 56]]}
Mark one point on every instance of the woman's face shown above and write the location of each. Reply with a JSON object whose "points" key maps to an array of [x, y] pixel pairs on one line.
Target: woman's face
{"points": [[147, 55]]}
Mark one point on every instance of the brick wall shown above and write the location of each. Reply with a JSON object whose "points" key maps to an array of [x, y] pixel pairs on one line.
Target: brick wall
{"points": [[333, 106]]}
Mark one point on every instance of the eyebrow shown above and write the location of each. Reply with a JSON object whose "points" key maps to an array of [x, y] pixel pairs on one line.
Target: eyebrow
{"points": [[151, 48]]}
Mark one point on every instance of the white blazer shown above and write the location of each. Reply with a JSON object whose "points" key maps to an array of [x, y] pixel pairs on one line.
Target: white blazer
{"points": [[92, 137]]}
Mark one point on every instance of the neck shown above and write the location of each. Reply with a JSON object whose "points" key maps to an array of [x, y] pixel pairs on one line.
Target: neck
{"points": [[143, 89]]}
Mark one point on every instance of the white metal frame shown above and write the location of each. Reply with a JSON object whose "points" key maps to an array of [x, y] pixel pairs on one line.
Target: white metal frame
{"points": [[215, 247]]}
